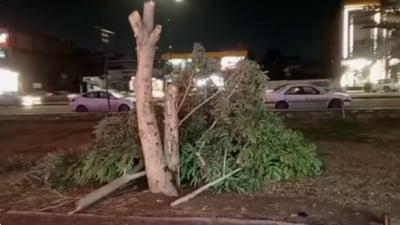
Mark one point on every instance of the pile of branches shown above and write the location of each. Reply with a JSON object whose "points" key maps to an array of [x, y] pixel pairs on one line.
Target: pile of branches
{"points": [[223, 131]]}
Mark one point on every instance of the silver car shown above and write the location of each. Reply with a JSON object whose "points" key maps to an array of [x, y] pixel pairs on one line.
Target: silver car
{"points": [[306, 96]]}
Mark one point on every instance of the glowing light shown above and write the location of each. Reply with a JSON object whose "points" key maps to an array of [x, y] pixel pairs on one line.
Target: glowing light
{"points": [[347, 79], [377, 71], [2, 54], [176, 62], [3, 38], [31, 101], [345, 38], [357, 64], [351, 37], [201, 82], [229, 62], [217, 80], [394, 61], [377, 19], [8, 81]]}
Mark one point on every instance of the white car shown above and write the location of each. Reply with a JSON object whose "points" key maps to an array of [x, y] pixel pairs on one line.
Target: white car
{"points": [[306, 96], [97, 101], [386, 85]]}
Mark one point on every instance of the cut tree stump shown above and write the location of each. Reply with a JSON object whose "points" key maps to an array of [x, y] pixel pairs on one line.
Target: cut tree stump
{"points": [[147, 35], [171, 132]]}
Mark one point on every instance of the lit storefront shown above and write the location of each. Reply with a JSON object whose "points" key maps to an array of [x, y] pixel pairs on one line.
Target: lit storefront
{"points": [[360, 62], [225, 59]]}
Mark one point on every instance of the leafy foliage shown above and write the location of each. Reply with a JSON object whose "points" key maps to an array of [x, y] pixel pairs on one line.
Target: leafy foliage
{"points": [[237, 131], [113, 152], [229, 131]]}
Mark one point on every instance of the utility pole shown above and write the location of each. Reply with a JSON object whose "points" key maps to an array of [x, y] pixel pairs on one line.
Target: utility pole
{"points": [[106, 38]]}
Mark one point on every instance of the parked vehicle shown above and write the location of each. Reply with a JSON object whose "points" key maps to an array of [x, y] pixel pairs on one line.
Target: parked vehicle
{"points": [[58, 96], [97, 101], [306, 96], [386, 85]]}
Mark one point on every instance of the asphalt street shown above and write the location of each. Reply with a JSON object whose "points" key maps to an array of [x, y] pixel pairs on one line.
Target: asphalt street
{"points": [[61, 109]]}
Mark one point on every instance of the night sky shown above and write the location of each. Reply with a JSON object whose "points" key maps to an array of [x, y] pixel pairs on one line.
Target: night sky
{"points": [[295, 27]]}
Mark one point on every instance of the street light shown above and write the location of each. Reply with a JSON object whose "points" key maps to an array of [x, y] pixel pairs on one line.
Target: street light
{"points": [[106, 38]]}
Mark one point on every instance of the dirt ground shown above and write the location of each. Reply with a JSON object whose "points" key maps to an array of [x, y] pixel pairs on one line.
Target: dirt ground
{"points": [[33, 140], [361, 175]]}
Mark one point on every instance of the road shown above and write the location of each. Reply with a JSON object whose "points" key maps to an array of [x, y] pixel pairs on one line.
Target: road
{"points": [[60, 109]]}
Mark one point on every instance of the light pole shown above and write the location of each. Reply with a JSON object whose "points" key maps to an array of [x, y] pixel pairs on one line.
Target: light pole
{"points": [[169, 37], [169, 30], [106, 38]]}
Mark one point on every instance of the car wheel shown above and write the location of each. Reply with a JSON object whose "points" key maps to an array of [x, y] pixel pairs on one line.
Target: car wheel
{"points": [[124, 108], [81, 108], [281, 105], [336, 104]]}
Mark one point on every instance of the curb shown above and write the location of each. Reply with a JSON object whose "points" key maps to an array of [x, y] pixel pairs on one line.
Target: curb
{"points": [[351, 113], [375, 97], [24, 218], [53, 117]]}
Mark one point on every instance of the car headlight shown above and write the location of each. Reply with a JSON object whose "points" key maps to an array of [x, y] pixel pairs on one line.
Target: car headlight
{"points": [[30, 100], [27, 101]]}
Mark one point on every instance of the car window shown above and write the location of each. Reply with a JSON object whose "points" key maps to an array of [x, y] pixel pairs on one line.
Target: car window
{"points": [[90, 95], [308, 90], [295, 91], [104, 95]]}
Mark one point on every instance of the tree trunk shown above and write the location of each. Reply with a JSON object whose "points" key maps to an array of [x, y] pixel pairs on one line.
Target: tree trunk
{"points": [[158, 176], [171, 132]]}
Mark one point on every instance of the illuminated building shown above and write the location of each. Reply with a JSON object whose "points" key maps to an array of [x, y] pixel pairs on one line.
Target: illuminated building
{"points": [[225, 59], [360, 62], [39, 59]]}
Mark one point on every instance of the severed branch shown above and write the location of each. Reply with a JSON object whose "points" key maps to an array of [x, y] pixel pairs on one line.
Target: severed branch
{"points": [[187, 90], [202, 189], [199, 106], [171, 132], [58, 205], [202, 161], [107, 189], [209, 99]]}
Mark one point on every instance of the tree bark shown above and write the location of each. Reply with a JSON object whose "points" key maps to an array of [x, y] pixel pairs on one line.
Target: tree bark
{"points": [[158, 176], [171, 132]]}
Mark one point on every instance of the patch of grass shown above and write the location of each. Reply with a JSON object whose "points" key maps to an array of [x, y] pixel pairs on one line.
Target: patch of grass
{"points": [[335, 130]]}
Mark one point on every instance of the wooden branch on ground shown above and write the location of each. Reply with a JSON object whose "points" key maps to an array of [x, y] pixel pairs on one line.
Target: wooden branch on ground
{"points": [[107, 189], [58, 205], [202, 189]]}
